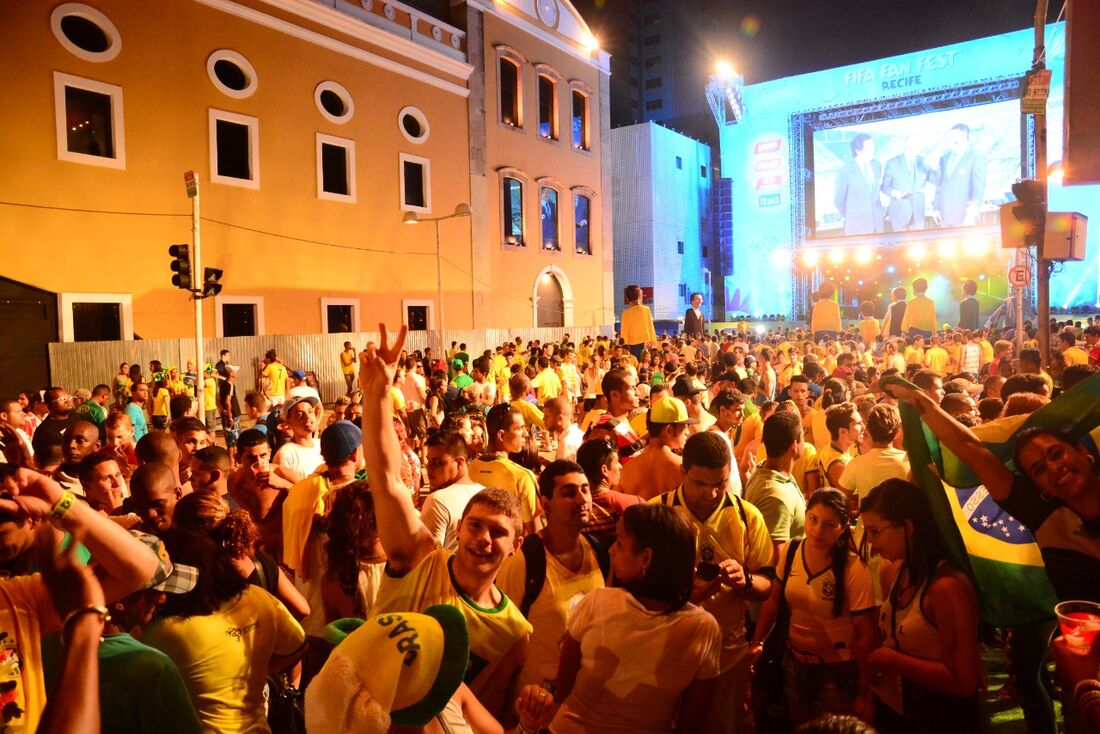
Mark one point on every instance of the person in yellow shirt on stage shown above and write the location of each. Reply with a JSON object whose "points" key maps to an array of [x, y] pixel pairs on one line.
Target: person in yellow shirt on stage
{"points": [[825, 316], [636, 327], [869, 327], [420, 573], [920, 312]]}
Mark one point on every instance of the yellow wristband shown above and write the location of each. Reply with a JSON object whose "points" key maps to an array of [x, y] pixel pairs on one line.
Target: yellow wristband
{"points": [[63, 505]]}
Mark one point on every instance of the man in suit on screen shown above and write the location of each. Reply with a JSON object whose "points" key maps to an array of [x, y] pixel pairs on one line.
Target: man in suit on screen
{"points": [[960, 181], [903, 181], [857, 189]]}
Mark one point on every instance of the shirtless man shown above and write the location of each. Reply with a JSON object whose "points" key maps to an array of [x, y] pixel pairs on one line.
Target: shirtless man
{"points": [[657, 469]]}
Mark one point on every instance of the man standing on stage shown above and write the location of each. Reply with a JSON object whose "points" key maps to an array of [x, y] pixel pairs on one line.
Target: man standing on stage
{"points": [[694, 319], [903, 181], [857, 189], [960, 181]]}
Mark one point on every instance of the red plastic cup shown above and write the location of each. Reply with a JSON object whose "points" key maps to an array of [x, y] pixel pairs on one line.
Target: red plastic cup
{"points": [[1080, 622]]}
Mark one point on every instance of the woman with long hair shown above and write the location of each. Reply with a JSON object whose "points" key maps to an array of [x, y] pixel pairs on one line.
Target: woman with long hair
{"points": [[225, 636], [237, 535], [637, 652], [436, 402], [830, 622], [354, 554], [927, 673]]}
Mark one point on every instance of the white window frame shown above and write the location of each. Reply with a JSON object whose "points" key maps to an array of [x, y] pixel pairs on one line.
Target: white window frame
{"points": [[427, 164], [118, 129], [349, 148], [253, 124], [88, 13], [421, 118], [65, 303], [340, 91], [257, 301], [225, 54], [405, 303], [353, 302]]}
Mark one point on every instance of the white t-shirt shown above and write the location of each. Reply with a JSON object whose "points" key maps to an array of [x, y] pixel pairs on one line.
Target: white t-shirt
{"points": [[443, 509], [635, 664], [298, 461], [414, 390], [570, 441], [866, 471]]}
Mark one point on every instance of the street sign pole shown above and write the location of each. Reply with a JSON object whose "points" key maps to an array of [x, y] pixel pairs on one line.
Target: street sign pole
{"points": [[1039, 83], [1019, 278], [191, 180]]}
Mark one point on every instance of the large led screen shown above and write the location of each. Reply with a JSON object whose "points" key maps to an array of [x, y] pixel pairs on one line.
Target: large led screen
{"points": [[936, 170]]}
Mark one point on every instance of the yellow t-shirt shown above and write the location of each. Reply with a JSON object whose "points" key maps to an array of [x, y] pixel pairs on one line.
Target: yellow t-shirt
{"points": [[26, 613], [935, 358], [914, 355], [1075, 355], [547, 385], [868, 330], [637, 325], [347, 362], [825, 316], [987, 351], [808, 463], [178, 387], [493, 632], [590, 418], [561, 592], [209, 393], [503, 473], [828, 456], [160, 402], [223, 657], [815, 634], [920, 313], [276, 373], [532, 416], [734, 530]]}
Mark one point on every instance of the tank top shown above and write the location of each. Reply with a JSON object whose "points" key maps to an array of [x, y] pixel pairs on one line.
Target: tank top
{"points": [[906, 628], [897, 313]]}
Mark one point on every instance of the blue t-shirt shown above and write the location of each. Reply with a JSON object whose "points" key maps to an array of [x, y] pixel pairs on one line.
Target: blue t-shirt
{"points": [[137, 417]]}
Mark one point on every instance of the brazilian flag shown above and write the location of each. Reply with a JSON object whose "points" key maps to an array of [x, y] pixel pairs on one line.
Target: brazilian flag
{"points": [[997, 551]]}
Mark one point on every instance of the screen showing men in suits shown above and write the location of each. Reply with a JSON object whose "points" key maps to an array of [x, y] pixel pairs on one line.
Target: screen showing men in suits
{"points": [[937, 170]]}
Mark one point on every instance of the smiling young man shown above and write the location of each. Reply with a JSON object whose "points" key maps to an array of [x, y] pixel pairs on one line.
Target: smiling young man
{"points": [[420, 573], [554, 569], [734, 563]]}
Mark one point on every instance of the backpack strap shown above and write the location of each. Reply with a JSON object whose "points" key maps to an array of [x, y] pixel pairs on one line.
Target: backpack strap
{"points": [[534, 554]]}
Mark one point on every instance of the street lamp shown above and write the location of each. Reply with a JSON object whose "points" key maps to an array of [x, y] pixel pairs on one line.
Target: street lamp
{"points": [[461, 210]]}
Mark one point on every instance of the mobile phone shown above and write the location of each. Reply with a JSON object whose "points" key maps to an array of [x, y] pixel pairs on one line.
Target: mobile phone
{"points": [[707, 571]]}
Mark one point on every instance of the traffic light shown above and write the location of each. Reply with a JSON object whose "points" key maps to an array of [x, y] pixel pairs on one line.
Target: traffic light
{"points": [[1030, 209], [210, 284], [181, 266]]}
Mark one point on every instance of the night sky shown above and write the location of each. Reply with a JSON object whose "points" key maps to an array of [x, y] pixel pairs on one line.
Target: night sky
{"points": [[768, 39]]}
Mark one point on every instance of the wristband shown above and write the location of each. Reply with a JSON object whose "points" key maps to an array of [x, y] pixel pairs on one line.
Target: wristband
{"points": [[63, 505], [102, 611], [748, 580]]}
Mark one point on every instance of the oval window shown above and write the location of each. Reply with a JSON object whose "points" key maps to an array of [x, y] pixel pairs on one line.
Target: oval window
{"points": [[231, 73], [334, 102], [85, 32], [413, 125]]}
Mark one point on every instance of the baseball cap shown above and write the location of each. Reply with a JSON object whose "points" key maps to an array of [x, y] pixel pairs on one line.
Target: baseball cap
{"points": [[457, 364], [339, 440], [298, 374], [669, 410], [291, 402], [408, 665], [171, 578], [685, 387]]}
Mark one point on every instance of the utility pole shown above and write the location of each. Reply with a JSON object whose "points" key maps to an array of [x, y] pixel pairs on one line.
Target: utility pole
{"points": [[1042, 265], [191, 181]]}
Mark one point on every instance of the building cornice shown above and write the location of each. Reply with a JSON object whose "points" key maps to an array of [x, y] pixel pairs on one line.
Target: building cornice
{"points": [[360, 30], [597, 58]]}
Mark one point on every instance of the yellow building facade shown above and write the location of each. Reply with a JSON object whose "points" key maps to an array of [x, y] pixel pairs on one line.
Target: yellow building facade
{"points": [[314, 130]]}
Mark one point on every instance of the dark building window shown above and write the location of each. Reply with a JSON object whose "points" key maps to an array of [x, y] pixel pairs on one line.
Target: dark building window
{"points": [[509, 92], [548, 108], [89, 117], [513, 212], [651, 41], [654, 104], [653, 83], [233, 142], [334, 169]]}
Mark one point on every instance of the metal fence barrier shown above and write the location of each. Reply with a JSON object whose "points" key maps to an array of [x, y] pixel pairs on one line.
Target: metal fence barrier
{"points": [[87, 364]]}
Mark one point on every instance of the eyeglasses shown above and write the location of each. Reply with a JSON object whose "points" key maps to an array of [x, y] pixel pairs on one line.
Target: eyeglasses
{"points": [[873, 533]]}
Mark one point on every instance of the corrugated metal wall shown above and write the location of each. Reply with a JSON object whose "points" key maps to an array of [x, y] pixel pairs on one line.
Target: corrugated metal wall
{"points": [[86, 364]]}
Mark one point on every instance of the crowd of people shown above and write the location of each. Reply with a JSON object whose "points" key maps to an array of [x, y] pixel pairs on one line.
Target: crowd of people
{"points": [[696, 533]]}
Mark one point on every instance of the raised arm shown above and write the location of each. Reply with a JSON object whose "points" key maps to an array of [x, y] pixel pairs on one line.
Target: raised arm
{"points": [[960, 439], [404, 537], [122, 562]]}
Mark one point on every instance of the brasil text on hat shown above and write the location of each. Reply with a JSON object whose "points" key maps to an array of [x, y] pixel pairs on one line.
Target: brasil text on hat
{"points": [[670, 410], [171, 578], [391, 669]]}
